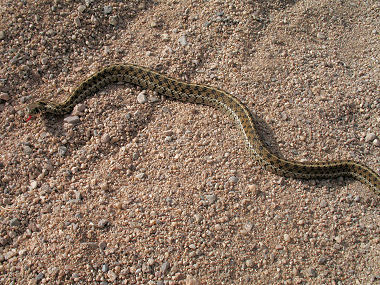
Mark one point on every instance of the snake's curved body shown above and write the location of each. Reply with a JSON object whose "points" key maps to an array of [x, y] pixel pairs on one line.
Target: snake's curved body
{"points": [[206, 95]]}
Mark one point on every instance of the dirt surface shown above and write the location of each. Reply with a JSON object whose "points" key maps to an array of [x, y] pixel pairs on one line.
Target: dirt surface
{"points": [[145, 190]]}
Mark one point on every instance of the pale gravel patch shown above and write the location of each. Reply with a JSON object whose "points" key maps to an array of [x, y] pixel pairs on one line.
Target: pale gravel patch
{"points": [[165, 192]]}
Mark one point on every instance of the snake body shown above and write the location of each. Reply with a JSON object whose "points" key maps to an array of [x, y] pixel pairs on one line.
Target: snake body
{"points": [[206, 95]]}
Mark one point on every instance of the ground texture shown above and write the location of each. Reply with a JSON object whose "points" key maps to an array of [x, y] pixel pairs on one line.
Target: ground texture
{"points": [[133, 188]]}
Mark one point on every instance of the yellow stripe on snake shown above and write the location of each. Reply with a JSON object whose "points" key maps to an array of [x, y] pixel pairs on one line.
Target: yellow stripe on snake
{"points": [[206, 95]]}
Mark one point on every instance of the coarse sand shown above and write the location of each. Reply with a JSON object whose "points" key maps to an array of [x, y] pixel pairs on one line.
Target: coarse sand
{"points": [[132, 188]]}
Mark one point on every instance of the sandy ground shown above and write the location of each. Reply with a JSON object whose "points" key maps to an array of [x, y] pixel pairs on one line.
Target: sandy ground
{"points": [[163, 192]]}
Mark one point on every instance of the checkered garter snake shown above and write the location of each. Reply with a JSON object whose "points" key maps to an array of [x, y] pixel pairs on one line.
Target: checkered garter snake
{"points": [[206, 95]]}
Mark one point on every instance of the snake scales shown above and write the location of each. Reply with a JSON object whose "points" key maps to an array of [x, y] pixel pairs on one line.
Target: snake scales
{"points": [[206, 95]]}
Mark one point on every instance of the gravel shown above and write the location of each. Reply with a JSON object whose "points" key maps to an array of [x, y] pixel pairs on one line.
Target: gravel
{"points": [[166, 193]]}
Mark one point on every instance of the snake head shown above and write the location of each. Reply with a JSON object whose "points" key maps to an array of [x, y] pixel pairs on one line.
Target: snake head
{"points": [[36, 107]]}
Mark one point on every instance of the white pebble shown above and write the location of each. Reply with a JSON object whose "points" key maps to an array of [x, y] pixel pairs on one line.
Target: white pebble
{"points": [[370, 137], [233, 179], [140, 175], [71, 120], [210, 198], [141, 98], [105, 138], [33, 184], [78, 109], [182, 40], [248, 227], [321, 36], [249, 263]]}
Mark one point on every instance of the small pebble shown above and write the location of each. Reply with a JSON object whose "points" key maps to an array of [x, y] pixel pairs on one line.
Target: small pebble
{"points": [[2, 35], [78, 109], [146, 268], [53, 270], [14, 222], [198, 218], [94, 20], [311, 272], [249, 263], [190, 280], [211, 198], [71, 120], [322, 260], [107, 10], [141, 98], [113, 20], [168, 139], [40, 276], [321, 36], [4, 96], [248, 227], [24, 99], [233, 179], [8, 255], [105, 138], [104, 186], [33, 185], [103, 245], [50, 32], [217, 227], [370, 137], [140, 175], [44, 60], [105, 268], [27, 149], [165, 37], [376, 142], [102, 223], [112, 275], [78, 196], [154, 99], [77, 21], [286, 237], [182, 40], [62, 150], [165, 267], [81, 8]]}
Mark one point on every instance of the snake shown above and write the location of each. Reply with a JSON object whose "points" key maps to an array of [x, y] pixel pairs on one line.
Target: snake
{"points": [[210, 96]]}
